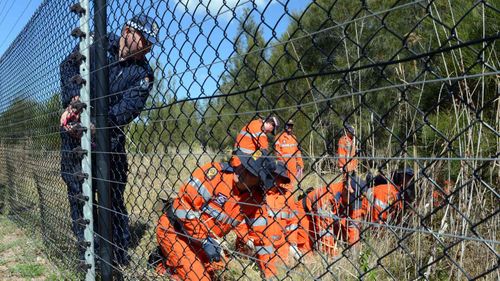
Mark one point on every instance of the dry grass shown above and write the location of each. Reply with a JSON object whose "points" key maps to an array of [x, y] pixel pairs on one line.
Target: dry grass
{"points": [[383, 254]]}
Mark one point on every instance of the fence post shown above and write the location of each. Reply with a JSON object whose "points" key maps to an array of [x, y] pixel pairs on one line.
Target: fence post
{"points": [[86, 142], [102, 139]]}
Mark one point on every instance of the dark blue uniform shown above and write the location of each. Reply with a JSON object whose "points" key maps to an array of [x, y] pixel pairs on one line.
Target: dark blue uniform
{"points": [[130, 82]]}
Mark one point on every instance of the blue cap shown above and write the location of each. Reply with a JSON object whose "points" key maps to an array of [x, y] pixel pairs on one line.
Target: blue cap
{"points": [[259, 165], [146, 25], [280, 170], [349, 128], [409, 172]]}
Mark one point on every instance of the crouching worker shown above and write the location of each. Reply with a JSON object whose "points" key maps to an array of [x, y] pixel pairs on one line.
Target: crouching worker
{"points": [[215, 200], [387, 200], [329, 214], [272, 229]]}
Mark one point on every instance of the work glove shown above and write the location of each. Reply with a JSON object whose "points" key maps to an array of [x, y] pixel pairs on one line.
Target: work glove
{"points": [[295, 252], [212, 249], [250, 244]]}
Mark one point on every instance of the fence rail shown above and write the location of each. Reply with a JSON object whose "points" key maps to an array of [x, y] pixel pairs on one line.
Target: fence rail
{"points": [[110, 113]]}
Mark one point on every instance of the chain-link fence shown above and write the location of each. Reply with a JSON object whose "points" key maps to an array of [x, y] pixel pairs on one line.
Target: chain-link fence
{"points": [[385, 115]]}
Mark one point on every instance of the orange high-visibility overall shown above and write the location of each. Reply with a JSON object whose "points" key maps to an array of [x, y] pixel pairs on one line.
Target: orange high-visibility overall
{"points": [[250, 139], [208, 205], [287, 151]]}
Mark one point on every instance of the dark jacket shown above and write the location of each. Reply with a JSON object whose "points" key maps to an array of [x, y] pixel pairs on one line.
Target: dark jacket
{"points": [[130, 82]]}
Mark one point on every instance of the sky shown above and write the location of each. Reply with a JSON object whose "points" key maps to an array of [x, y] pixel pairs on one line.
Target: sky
{"points": [[14, 14], [194, 48]]}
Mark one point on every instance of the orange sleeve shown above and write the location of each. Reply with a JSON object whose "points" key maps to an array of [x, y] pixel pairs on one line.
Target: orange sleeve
{"points": [[192, 191], [192, 196], [264, 143], [243, 231], [256, 130], [293, 220]]}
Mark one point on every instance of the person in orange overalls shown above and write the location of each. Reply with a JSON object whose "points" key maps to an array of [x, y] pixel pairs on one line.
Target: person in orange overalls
{"points": [[328, 214], [387, 200], [440, 194], [216, 199], [277, 225], [346, 151], [287, 151], [253, 137]]}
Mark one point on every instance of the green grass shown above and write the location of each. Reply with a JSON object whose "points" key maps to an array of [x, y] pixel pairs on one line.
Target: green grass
{"points": [[28, 270], [20, 257]]}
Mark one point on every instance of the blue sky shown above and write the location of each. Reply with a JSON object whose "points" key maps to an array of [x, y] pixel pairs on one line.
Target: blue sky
{"points": [[13, 17], [197, 55]]}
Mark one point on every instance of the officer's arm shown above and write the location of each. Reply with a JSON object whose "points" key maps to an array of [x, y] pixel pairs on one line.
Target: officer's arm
{"points": [[132, 102], [256, 223], [68, 69]]}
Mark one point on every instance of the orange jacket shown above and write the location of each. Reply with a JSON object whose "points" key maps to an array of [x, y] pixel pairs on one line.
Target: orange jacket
{"points": [[210, 205], [329, 213], [251, 137], [275, 225], [384, 202], [346, 151], [287, 151]]}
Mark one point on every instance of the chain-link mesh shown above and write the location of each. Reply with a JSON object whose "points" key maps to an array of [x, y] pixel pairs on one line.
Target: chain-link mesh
{"points": [[30, 109], [392, 157]]}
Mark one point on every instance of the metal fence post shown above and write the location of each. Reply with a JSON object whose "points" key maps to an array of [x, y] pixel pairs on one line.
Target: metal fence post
{"points": [[102, 138], [86, 143]]}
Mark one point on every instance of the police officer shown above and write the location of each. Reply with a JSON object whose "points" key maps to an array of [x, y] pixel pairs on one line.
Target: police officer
{"points": [[130, 81]]}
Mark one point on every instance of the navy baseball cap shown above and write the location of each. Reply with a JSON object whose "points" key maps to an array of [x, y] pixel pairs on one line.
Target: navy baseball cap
{"points": [[259, 165], [146, 25], [280, 170], [349, 128]]}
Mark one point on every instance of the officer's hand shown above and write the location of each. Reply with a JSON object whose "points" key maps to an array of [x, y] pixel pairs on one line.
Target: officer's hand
{"points": [[68, 116], [212, 249], [74, 129], [72, 112]]}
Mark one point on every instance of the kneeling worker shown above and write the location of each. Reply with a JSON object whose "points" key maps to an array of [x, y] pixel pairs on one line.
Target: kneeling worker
{"points": [[216, 199]]}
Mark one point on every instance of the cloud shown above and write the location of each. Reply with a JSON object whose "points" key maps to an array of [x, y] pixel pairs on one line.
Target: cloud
{"points": [[216, 7]]}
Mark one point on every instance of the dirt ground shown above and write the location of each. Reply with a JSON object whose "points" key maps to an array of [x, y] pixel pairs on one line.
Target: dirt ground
{"points": [[21, 257]]}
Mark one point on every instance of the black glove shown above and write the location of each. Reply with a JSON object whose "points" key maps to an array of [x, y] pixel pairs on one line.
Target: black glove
{"points": [[212, 249]]}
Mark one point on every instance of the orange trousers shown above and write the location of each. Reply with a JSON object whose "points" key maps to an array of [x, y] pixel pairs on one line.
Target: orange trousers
{"points": [[270, 263], [184, 260]]}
